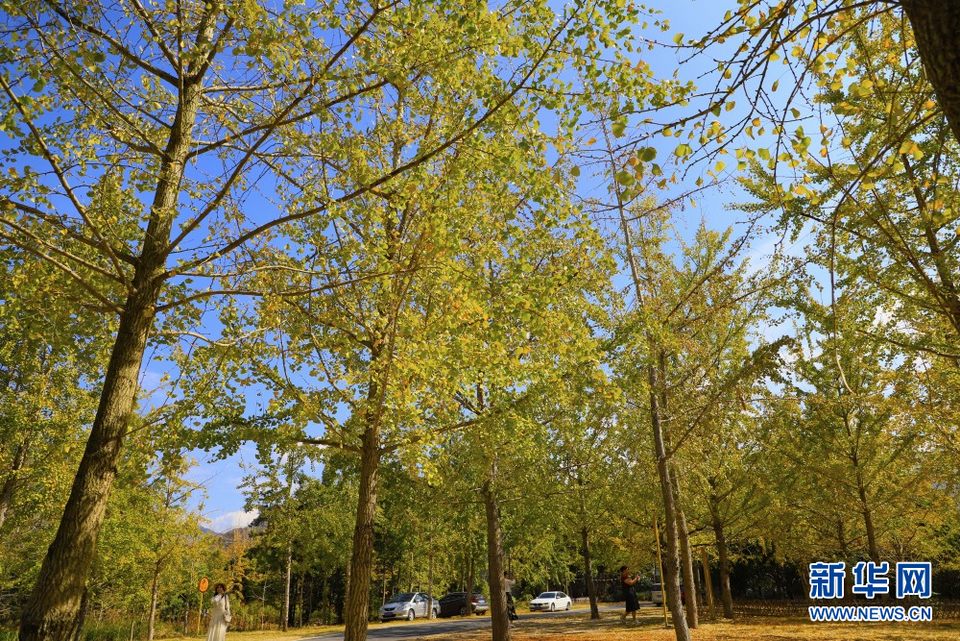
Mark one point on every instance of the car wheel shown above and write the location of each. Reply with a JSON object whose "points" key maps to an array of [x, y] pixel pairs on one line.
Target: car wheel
{"points": [[568, 606], [411, 615], [463, 610], [553, 607], [433, 614]]}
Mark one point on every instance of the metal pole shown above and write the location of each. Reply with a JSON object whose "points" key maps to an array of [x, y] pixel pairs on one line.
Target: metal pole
{"points": [[200, 613]]}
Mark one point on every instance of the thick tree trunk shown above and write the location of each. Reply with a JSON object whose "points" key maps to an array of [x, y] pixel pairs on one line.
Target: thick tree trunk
{"points": [[686, 557], [726, 598], [671, 560], [500, 622], [54, 611], [936, 24], [588, 573], [357, 605]]}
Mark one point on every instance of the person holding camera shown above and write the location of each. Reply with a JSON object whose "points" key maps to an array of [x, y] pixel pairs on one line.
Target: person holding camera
{"points": [[628, 585]]}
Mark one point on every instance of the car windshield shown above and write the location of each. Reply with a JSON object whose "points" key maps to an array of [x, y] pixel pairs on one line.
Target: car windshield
{"points": [[548, 595], [401, 598], [455, 595]]}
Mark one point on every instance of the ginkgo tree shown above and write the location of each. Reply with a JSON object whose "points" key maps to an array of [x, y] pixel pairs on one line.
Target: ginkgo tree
{"points": [[455, 339], [145, 158]]}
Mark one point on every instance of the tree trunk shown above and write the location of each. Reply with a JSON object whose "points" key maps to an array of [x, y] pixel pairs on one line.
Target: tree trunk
{"points": [[357, 606], [154, 592], [671, 560], [588, 573], [327, 605], [686, 557], [868, 519], [708, 582], [285, 616], [54, 611], [936, 24], [468, 605], [726, 598], [300, 600], [430, 578], [500, 621], [10, 485]]}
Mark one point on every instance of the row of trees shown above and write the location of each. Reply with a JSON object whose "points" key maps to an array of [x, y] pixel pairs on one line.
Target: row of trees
{"points": [[353, 235]]}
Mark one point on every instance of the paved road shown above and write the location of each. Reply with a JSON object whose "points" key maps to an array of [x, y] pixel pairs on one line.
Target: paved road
{"points": [[399, 631]]}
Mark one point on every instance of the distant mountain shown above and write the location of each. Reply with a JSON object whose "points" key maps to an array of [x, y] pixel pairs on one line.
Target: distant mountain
{"points": [[230, 537]]}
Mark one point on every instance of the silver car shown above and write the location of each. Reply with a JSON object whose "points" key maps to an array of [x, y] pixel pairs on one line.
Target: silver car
{"points": [[409, 606]]}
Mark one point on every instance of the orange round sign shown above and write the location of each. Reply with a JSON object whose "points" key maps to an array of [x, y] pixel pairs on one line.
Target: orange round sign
{"points": [[204, 584]]}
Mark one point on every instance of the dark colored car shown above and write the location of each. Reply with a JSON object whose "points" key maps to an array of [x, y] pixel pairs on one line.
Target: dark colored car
{"points": [[455, 604]]}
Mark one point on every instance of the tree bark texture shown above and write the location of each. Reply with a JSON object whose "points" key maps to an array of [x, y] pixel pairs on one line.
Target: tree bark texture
{"points": [[54, 609], [671, 557], [936, 24], [357, 606], [500, 622], [686, 557]]}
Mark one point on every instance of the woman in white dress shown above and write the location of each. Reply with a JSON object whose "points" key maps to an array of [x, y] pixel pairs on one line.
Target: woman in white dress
{"points": [[219, 614]]}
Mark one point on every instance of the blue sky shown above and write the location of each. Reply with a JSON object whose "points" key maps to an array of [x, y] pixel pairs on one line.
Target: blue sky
{"points": [[223, 502]]}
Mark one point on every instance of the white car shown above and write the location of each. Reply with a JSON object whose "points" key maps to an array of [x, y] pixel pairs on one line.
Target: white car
{"points": [[551, 601]]}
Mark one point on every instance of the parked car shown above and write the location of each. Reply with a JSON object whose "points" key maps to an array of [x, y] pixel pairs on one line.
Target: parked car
{"points": [[409, 606], [455, 604], [656, 594], [551, 601]]}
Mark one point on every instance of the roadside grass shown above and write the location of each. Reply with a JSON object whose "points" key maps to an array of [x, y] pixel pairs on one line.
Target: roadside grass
{"points": [[649, 627], [577, 626], [267, 635]]}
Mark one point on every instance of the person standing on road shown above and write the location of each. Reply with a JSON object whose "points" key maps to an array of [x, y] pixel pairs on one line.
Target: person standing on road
{"points": [[219, 614], [628, 585]]}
